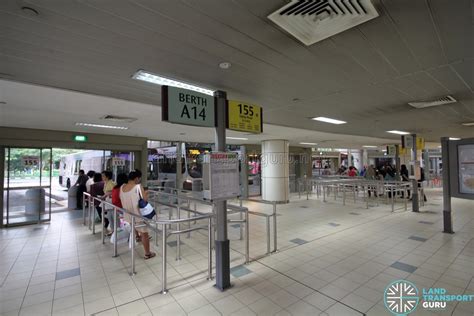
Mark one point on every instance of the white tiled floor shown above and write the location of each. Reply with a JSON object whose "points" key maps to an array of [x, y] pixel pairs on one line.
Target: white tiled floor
{"points": [[341, 270]]}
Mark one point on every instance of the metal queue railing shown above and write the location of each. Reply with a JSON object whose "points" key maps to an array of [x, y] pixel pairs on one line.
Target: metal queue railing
{"points": [[190, 196], [186, 198], [267, 219], [151, 224], [390, 189]]}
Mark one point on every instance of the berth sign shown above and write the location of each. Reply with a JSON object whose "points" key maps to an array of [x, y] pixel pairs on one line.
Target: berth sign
{"points": [[187, 107], [244, 117]]}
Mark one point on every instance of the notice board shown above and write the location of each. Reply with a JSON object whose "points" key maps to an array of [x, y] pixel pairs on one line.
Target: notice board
{"points": [[461, 167], [221, 176]]}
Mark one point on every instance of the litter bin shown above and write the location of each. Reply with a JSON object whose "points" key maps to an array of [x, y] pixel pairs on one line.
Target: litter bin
{"points": [[72, 197], [34, 204]]}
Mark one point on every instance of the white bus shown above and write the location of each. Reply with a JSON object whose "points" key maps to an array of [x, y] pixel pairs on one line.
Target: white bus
{"points": [[95, 160]]}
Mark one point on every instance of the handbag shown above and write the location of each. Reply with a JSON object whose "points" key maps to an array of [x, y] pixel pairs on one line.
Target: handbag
{"points": [[146, 210], [122, 234]]}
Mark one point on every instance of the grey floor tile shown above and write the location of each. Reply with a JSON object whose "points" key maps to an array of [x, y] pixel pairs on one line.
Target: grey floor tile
{"points": [[68, 273], [404, 267], [426, 222], [354, 213], [334, 224], [418, 238], [299, 241], [174, 243], [239, 271]]}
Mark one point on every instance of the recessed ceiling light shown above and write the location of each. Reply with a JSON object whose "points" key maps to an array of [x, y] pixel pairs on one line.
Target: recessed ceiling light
{"points": [[225, 65], [328, 120], [101, 126], [468, 124], [370, 146], [454, 138], [398, 132], [311, 144], [237, 138], [152, 78]]}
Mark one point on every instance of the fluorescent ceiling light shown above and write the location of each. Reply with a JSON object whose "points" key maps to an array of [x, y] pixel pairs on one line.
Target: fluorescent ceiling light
{"points": [[101, 126], [370, 146], [311, 144], [328, 120], [237, 138], [454, 138], [468, 124], [398, 132], [152, 78]]}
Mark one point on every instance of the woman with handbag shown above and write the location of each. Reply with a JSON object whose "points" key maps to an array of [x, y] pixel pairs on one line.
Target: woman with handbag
{"points": [[130, 195]]}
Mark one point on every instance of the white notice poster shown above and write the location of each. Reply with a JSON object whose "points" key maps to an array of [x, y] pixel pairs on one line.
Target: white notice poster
{"points": [[223, 173], [466, 169]]}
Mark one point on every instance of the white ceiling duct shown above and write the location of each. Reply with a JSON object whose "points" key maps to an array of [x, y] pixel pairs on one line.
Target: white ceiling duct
{"points": [[311, 21], [441, 101]]}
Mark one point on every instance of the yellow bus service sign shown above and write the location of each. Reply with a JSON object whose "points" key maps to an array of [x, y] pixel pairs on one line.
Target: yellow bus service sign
{"points": [[244, 117]]}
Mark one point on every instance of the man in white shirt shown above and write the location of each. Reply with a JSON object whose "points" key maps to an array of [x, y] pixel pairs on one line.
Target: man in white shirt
{"points": [[90, 181]]}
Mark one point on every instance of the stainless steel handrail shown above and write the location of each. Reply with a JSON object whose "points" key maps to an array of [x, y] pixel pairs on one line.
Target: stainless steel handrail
{"points": [[267, 216], [230, 209], [353, 184], [152, 224]]}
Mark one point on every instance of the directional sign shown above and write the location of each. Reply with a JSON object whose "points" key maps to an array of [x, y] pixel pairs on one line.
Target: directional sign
{"points": [[30, 161], [391, 150], [244, 117], [187, 107]]}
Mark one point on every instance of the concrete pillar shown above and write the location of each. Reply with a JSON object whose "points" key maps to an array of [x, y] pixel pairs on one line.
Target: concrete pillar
{"points": [[365, 158], [357, 155], [275, 170]]}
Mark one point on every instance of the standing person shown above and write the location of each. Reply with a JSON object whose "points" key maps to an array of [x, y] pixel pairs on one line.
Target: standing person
{"points": [[121, 180], [420, 182], [130, 194], [90, 181], [108, 187], [352, 172], [405, 178], [97, 190], [370, 175], [81, 187]]}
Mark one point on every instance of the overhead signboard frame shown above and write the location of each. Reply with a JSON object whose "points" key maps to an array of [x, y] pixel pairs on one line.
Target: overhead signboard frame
{"points": [[187, 107], [244, 117]]}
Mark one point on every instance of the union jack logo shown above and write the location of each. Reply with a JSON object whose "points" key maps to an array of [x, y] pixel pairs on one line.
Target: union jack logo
{"points": [[401, 297]]}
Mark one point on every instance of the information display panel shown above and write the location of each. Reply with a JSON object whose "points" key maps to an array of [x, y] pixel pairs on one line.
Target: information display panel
{"points": [[461, 168], [466, 168], [244, 117]]}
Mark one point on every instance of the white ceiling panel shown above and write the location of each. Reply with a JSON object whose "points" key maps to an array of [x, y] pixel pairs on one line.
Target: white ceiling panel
{"points": [[415, 24], [415, 50]]}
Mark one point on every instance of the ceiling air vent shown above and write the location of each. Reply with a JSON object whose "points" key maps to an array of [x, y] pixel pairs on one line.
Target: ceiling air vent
{"points": [[426, 104], [311, 21], [115, 118]]}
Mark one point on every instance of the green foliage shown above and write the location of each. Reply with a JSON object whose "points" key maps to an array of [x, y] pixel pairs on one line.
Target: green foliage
{"points": [[18, 169]]}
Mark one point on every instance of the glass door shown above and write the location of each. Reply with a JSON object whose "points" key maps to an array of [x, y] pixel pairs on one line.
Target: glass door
{"points": [[27, 186]]}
